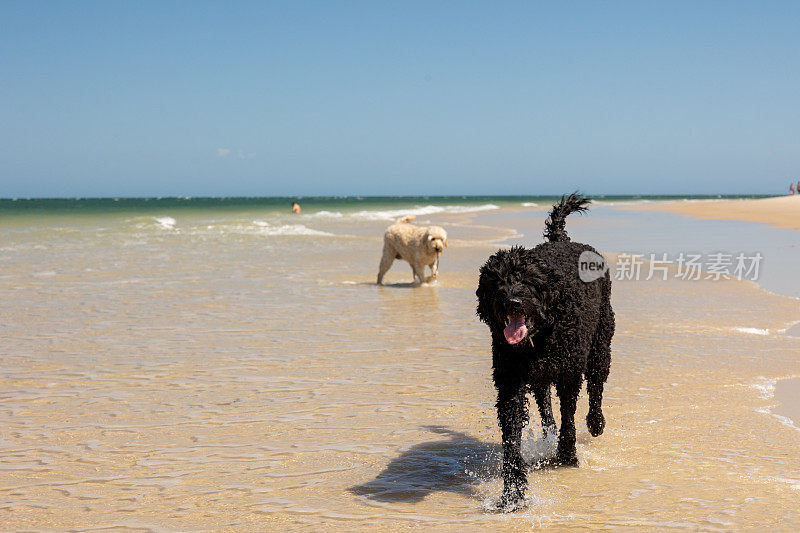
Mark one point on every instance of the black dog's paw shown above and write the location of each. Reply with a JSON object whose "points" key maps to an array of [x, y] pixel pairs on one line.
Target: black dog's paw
{"points": [[565, 458], [512, 500], [596, 422]]}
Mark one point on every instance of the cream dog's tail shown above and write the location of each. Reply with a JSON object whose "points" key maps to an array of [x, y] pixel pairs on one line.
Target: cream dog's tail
{"points": [[406, 219]]}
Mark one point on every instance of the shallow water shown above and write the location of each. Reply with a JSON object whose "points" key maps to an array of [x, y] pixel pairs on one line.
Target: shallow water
{"points": [[239, 369]]}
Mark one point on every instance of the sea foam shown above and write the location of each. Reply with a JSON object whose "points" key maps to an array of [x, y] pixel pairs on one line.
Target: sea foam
{"points": [[393, 214], [751, 331], [293, 229], [265, 228], [166, 222], [766, 390], [327, 214]]}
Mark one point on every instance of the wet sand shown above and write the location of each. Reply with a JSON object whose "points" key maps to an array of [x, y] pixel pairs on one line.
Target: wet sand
{"points": [[781, 211], [787, 394], [211, 374], [794, 331]]}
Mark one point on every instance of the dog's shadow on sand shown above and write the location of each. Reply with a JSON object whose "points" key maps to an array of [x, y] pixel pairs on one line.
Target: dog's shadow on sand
{"points": [[400, 284], [397, 285], [456, 464]]}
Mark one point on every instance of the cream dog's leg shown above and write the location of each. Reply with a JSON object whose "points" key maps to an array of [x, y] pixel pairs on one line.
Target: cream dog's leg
{"points": [[386, 261], [435, 267], [419, 271]]}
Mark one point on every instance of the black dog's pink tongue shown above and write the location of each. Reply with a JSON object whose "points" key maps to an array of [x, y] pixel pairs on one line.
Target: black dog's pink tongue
{"points": [[515, 330]]}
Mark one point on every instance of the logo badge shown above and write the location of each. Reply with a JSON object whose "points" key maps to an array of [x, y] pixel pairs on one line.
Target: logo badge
{"points": [[591, 266]]}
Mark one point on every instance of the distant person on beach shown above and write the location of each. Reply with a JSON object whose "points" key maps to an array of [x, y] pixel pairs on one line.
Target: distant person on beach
{"points": [[296, 207], [798, 187], [791, 187]]}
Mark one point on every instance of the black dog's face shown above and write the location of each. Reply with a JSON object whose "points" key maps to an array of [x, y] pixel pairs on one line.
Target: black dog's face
{"points": [[512, 295]]}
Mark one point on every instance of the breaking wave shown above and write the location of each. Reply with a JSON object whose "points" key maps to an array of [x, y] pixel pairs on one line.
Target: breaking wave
{"points": [[264, 228], [751, 331], [393, 214], [166, 222], [259, 227]]}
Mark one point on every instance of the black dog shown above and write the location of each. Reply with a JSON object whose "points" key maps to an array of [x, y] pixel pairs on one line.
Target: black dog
{"points": [[548, 327]]}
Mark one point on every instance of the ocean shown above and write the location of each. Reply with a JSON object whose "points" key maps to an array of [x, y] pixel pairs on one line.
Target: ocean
{"points": [[220, 363], [43, 206]]}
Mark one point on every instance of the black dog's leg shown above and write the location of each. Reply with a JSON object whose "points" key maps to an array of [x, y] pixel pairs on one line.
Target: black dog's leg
{"points": [[513, 415], [542, 395], [595, 420], [597, 368], [567, 390]]}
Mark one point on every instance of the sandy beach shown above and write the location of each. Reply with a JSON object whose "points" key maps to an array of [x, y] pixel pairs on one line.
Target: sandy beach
{"points": [[780, 211], [240, 371], [198, 332], [787, 394]]}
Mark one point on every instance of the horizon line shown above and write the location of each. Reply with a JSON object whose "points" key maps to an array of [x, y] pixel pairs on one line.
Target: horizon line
{"points": [[365, 196]]}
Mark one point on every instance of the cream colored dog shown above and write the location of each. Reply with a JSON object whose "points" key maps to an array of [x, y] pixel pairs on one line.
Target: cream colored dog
{"points": [[419, 246]]}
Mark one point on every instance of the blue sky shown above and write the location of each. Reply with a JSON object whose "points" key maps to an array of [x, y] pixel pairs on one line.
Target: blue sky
{"points": [[304, 98]]}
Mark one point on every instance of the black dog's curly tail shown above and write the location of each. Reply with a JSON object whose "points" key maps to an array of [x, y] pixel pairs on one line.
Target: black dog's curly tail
{"points": [[554, 225]]}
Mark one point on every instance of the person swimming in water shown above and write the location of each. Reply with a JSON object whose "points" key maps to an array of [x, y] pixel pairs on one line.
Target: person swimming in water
{"points": [[296, 208]]}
